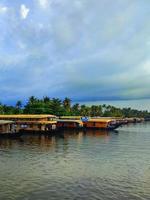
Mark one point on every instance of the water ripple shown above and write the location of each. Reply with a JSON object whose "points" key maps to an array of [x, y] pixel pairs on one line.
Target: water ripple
{"points": [[94, 165]]}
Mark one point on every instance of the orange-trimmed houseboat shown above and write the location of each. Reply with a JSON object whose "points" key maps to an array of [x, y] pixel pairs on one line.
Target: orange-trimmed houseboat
{"points": [[69, 123], [101, 123], [75, 122]]}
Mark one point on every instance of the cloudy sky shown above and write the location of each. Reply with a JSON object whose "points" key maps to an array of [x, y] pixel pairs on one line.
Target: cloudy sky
{"points": [[84, 49]]}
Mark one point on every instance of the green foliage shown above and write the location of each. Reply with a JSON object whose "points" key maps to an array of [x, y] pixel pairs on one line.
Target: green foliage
{"points": [[64, 107], [67, 106], [76, 109]]}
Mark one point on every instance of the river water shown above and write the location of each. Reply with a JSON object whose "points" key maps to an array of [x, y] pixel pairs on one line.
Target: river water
{"points": [[77, 165]]}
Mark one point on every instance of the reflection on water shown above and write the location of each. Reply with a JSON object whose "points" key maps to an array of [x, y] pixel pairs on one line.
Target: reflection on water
{"points": [[77, 165], [48, 142]]}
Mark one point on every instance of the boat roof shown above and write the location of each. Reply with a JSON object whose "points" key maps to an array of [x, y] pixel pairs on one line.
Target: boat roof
{"points": [[106, 118], [5, 122], [70, 117], [69, 120], [36, 122], [100, 120], [28, 116]]}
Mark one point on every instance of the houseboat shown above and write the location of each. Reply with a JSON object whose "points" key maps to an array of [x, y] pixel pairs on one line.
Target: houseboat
{"points": [[101, 123], [75, 122], [134, 120], [69, 124], [32, 123], [7, 127]]}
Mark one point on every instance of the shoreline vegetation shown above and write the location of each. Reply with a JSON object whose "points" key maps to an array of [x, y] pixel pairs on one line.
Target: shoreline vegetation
{"points": [[58, 107]]}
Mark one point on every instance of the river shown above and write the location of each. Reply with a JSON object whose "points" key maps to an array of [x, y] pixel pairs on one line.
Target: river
{"points": [[77, 165]]}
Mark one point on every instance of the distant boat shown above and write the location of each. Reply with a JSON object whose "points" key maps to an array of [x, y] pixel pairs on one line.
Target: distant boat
{"points": [[102, 123], [75, 122]]}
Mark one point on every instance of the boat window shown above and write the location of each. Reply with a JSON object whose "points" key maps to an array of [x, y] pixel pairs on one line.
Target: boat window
{"points": [[24, 126]]}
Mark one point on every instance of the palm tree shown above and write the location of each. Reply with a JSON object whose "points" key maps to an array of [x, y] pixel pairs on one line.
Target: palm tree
{"points": [[18, 104], [96, 111], [1, 108], [17, 108], [56, 107], [32, 99], [67, 104], [46, 99], [76, 109]]}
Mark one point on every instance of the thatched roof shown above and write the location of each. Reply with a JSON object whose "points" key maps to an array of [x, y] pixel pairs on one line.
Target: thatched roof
{"points": [[70, 117], [69, 121], [26, 116], [2, 122], [100, 120], [36, 122]]}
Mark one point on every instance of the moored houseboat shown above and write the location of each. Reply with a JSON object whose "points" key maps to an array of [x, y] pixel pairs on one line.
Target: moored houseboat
{"points": [[69, 124], [75, 122], [95, 123], [134, 119], [32, 123], [7, 127]]}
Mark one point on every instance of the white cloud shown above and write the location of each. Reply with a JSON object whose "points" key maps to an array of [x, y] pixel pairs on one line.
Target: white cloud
{"points": [[43, 3], [146, 67], [78, 4], [97, 39], [3, 9], [24, 11]]}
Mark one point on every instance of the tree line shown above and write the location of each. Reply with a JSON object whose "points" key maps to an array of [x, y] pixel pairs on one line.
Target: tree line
{"points": [[56, 106]]}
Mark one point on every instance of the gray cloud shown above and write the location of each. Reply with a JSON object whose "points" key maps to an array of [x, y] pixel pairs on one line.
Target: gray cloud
{"points": [[83, 49]]}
